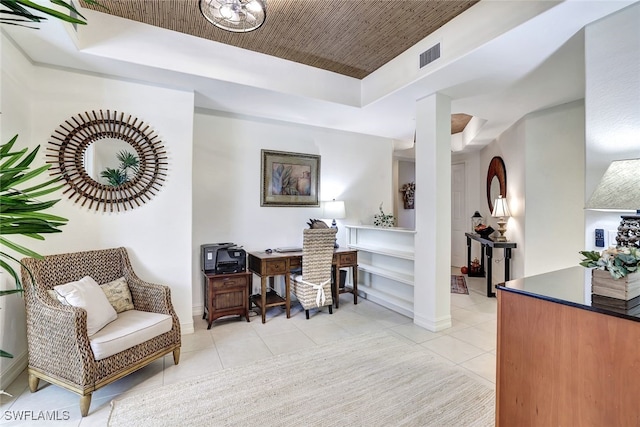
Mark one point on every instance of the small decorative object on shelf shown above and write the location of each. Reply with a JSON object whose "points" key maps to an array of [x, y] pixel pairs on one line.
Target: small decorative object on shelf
{"points": [[615, 274], [476, 220], [464, 269], [382, 219], [408, 191], [619, 262]]}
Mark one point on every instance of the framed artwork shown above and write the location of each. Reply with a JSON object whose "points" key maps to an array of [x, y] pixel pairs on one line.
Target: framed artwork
{"points": [[289, 179]]}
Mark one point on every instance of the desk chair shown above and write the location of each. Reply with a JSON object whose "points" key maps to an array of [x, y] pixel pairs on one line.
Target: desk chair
{"points": [[313, 287]]}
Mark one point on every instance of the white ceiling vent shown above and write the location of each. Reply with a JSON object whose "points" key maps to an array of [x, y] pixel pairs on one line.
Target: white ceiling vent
{"points": [[430, 55]]}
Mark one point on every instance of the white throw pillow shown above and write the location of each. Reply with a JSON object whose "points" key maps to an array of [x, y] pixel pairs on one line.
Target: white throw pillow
{"points": [[86, 293]]}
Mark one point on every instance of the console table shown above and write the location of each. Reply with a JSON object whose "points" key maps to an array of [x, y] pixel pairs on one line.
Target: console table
{"points": [[486, 248], [268, 265]]}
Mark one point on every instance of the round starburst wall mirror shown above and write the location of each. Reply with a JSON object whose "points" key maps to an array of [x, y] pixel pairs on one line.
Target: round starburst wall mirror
{"points": [[108, 159]]}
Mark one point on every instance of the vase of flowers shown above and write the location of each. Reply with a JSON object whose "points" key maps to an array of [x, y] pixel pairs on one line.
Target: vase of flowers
{"points": [[408, 191], [616, 272], [382, 219]]}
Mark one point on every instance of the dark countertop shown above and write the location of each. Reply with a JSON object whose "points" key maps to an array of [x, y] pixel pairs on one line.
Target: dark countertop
{"points": [[570, 286]]}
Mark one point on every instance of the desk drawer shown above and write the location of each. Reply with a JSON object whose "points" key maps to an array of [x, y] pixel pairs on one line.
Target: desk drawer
{"points": [[349, 258], [276, 267], [226, 282]]}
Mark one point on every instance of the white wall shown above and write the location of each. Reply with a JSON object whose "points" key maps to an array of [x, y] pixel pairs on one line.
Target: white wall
{"points": [[226, 183], [612, 102], [157, 235], [544, 158], [554, 180]]}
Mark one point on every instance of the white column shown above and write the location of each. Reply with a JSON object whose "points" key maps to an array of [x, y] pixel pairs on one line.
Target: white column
{"points": [[432, 266]]}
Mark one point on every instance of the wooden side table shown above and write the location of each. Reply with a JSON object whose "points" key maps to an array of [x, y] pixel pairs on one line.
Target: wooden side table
{"points": [[226, 295]]}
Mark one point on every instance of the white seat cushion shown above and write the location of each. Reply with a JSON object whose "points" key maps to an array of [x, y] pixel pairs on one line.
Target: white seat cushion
{"points": [[131, 328]]}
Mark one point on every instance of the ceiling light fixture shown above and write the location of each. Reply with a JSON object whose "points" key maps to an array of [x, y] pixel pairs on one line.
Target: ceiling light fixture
{"points": [[238, 16]]}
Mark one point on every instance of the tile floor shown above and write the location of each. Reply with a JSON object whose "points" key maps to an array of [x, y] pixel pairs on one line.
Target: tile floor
{"points": [[470, 343]]}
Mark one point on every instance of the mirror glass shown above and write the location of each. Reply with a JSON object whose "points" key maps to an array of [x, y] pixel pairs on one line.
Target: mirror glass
{"points": [[111, 161], [495, 188], [496, 181]]}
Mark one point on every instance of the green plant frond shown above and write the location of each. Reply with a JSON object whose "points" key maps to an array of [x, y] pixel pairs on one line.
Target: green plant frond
{"points": [[5, 354], [28, 207], [27, 176], [17, 278], [6, 267], [50, 218], [20, 249], [7, 146], [52, 12]]}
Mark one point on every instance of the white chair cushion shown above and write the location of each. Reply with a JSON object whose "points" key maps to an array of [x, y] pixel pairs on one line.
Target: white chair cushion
{"points": [[132, 327], [86, 293]]}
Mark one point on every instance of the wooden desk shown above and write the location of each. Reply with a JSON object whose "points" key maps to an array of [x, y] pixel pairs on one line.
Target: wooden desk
{"points": [[280, 264], [487, 246]]}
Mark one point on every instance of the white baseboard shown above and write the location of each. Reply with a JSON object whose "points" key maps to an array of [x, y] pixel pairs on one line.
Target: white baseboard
{"points": [[186, 328], [436, 325], [19, 364], [197, 310]]}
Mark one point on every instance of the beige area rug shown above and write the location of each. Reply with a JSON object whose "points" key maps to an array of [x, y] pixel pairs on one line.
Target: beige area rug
{"points": [[368, 380]]}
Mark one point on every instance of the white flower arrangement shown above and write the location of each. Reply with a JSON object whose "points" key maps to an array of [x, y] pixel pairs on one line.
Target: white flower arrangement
{"points": [[383, 220]]}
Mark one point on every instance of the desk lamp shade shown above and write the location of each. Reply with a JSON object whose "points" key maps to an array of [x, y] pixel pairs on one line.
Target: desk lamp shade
{"points": [[333, 210], [501, 211], [619, 190]]}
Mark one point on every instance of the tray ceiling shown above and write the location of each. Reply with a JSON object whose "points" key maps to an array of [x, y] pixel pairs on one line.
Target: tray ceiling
{"points": [[349, 37]]}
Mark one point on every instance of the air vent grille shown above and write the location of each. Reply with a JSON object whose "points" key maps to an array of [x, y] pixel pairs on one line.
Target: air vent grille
{"points": [[430, 55]]}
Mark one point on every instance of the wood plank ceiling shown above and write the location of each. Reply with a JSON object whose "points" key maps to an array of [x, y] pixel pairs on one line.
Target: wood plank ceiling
{"points": [[350, 37]]}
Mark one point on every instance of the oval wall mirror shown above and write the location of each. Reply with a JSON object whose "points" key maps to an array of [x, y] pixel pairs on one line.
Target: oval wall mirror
{"points": [[496, 181], [108, 159]]}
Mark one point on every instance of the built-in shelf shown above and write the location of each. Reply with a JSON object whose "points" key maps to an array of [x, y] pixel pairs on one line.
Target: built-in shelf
{"points": [[386, 264], [383, 251], [389, 274]]}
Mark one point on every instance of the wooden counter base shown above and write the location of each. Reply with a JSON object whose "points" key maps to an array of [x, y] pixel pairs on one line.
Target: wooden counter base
{"points": [[559, 365]]}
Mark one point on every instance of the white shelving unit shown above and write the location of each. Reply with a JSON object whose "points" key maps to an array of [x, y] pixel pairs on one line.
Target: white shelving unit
{"points": [[385, 264]]}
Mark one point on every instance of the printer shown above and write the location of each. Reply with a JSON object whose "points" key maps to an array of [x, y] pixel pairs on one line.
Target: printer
{"points": [[222, 258]]}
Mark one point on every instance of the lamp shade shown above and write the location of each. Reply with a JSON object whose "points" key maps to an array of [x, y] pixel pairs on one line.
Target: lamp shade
{"points": [[500, 208], [333, 209], [619, 188]]}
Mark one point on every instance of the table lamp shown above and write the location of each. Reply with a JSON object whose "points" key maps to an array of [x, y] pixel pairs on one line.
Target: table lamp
{"points": [[619, 190], [334, 210], [501, 211]]}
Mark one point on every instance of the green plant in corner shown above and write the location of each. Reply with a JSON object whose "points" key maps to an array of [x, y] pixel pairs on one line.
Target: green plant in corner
{"points": [[26, 12], [21, 212]]}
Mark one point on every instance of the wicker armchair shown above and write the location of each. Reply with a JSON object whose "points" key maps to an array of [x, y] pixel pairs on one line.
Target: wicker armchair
{"points": [[313, 287], [59, 346]]}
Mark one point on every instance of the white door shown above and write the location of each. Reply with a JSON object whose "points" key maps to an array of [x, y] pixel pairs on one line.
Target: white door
{"points": [[458, 216]]}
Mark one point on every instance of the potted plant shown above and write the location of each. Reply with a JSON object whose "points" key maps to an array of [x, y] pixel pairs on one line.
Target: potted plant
{"points": [[615, 272], [619, 262], [21, 210], [382, 219]]}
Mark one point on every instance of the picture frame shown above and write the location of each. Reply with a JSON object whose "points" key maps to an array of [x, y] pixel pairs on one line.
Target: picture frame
{"points": [[289, 179]]}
